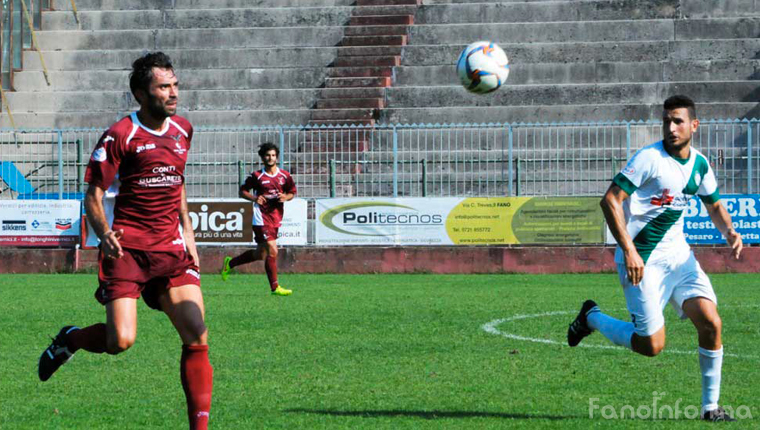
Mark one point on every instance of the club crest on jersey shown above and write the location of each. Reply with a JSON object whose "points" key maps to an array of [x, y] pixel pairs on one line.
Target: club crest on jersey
{"points": [[176, 137], [179, 150], [664, 200], [698, 179]]}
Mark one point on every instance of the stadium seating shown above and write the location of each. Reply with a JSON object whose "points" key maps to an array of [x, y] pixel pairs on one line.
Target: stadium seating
{"points": [[280, 62]]}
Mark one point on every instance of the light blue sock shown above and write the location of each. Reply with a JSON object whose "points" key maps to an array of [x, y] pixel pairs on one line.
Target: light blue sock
{"points": [[710, 362], [619, 332]]}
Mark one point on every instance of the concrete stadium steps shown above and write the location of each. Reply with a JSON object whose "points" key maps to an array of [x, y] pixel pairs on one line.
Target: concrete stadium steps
{"points": [[587, 31], [190, 79], [84, 5], [522, 95], [101, 120], [413, 55], [216, 18], [556, 113], [599, 72], [200, 100], [583, 52], [355, 87], [546, 11], [190, 38], [256, 57]]}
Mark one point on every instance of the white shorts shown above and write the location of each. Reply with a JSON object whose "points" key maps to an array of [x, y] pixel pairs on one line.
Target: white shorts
{"points": [[664, 281]]}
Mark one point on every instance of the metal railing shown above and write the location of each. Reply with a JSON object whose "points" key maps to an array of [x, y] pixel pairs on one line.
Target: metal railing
{"points": [[563, 159]]}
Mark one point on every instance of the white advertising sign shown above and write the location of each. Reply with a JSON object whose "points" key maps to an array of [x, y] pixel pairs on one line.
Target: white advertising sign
{"points": [[294, 223], [40, 222], [378, 221]]}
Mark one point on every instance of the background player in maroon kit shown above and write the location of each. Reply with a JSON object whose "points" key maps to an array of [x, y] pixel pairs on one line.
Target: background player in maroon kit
{"points": [[144, 252], [268, 188]]}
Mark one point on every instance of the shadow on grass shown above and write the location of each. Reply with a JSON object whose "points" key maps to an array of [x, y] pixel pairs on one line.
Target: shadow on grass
{"points": [[429, 415]]}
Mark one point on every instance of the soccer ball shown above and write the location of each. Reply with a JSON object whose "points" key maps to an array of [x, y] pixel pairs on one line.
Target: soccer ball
{"points": [[483, 67]]}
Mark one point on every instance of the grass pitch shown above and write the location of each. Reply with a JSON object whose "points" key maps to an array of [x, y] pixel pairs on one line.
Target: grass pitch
{"points": [[376, 352]]}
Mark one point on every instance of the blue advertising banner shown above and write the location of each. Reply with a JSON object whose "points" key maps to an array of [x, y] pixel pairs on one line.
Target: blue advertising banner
{"points": [[743, 208]]}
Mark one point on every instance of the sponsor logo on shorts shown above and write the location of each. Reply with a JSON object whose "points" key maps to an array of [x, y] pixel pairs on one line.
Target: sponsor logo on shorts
{"points": [[63, 223], [14, 225], [99, 155], [193, 272]]}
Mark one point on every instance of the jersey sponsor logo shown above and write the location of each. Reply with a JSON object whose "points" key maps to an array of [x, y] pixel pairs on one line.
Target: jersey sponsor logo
{"points": [[628, 170], [146, 147], [176, 137], [664, 200], [265, 182], [99, 155], [164, 169], [180, 149], [281, 181], [160, 181]]}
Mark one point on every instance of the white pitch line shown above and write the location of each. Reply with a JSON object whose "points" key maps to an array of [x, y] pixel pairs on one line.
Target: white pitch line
{"points": [[491, 327]]}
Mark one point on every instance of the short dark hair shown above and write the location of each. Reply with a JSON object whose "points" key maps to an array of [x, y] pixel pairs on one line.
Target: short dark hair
{"points": [[142, 70], [266, 147], [681, 101]]}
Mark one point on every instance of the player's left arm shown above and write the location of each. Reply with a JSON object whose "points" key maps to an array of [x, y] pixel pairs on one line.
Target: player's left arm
{"points": [[710, 195], [722, 220], [187, 228]]}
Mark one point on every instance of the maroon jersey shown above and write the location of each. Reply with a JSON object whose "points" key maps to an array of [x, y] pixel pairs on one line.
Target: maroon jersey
{"points": [[147, 167], [269, 186]]}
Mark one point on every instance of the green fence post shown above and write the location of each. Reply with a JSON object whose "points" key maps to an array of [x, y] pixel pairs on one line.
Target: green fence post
{"points": [[241, 172], [517, 176], [332, 178], [80, 165], [424, 177]]}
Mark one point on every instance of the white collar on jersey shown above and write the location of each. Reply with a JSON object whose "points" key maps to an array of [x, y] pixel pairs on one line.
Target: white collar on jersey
{"points": [[264, 172], [167, 123]]}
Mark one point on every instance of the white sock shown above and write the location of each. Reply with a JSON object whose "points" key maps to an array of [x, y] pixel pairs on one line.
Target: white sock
{"points": [[619, 332], [710, 362]]}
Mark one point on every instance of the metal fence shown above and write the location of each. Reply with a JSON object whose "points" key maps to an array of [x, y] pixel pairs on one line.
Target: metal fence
{"points": [[563, 159]]}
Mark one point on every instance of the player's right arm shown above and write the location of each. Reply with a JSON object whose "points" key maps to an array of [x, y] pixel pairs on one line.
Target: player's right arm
{"points": [[101, 172], [612, 207], [245, 191], [96, 216]]}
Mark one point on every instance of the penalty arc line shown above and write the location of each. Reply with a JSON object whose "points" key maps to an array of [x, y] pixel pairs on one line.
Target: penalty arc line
{"points": [[491, 327]]}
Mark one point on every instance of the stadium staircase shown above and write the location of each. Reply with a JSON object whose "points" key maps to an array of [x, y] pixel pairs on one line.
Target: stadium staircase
{"points": [[355, 88]]}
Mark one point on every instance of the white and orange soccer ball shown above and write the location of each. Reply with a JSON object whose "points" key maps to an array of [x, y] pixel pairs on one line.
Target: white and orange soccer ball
{"points": [[483, 67]]}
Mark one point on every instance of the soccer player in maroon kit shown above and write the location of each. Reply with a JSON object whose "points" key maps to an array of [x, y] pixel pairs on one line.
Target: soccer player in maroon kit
{"points": [[271, 187], [144, 252]]}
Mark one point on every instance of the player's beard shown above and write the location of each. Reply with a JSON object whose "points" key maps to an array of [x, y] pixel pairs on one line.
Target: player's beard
{"points": [[159, 110], [672, 146]]}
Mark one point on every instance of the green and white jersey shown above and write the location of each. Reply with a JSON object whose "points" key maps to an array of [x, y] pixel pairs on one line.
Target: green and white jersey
{"points": [[660, 187]]}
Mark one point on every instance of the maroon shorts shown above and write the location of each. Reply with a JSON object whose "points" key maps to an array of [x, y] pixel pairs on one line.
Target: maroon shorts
{"points": [[264, 233], [145, 273]]}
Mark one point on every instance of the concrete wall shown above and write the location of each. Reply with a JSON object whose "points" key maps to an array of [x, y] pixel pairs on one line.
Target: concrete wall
{"points": [[394, 260]]}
